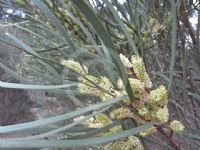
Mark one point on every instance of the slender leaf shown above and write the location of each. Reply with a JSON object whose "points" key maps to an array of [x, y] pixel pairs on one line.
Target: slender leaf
{"points": [[173, 43], [23, 45], [95, 22], [73, 143], [29, 50], [123, 27], [34, 87], [194, 136], [58, 118], [196, 96], [14, 74], [40, 130], [44, 9], [61, 129], [96, 131]]}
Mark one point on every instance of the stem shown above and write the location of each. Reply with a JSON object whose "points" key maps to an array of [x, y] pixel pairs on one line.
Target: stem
{"points": [[173, 143]]}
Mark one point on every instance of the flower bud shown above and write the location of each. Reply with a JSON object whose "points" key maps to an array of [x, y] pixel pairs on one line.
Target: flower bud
{"points": [[147, 132]]}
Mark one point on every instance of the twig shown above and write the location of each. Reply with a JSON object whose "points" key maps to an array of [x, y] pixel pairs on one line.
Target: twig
{"points": [[169, 138]]}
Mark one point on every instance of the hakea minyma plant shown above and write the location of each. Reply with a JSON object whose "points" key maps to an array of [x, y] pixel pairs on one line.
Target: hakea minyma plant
{"points": [[148, 104]]}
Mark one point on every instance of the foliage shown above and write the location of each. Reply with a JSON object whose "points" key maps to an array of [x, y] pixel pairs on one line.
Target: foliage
{"points": [[125, 56]]}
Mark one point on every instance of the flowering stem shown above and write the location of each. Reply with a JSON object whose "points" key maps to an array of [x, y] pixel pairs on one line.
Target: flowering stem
{"points": [[173, 143]]}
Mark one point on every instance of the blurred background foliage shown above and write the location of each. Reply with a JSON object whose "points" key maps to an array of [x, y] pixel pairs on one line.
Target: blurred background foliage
{"points": [[165, 33]]}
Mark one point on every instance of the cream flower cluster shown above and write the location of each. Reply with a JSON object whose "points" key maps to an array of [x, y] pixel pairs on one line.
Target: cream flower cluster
{"points": [[162, 114], [125, 61], [129, 143], [148, 132], [159, 96], [138, 67], [148, 104], [75, 66], [102, 120], [177, 126], [140, 71], [89, 85]]}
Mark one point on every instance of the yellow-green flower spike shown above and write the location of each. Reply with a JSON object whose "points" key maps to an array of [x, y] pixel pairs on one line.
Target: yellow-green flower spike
{"points": [[91, 122], [159, 96], [143, 111], [87, 87], [140, 71], [103, 119], [176, 126], [120, 84], [98, 121], [148, 132], [137, 85], [75, 66], [130, 143], [116, 129], [106, 84], [121, 91], [162, 114], [121, 113], [105, 96], [92, 78], [135, 142], [125, 61]]}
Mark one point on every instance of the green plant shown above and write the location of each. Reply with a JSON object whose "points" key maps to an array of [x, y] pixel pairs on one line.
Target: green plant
{"points": [[79, 52]]}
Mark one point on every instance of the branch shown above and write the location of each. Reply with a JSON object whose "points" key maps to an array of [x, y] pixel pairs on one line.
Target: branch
{"points": [[168, 137]]}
